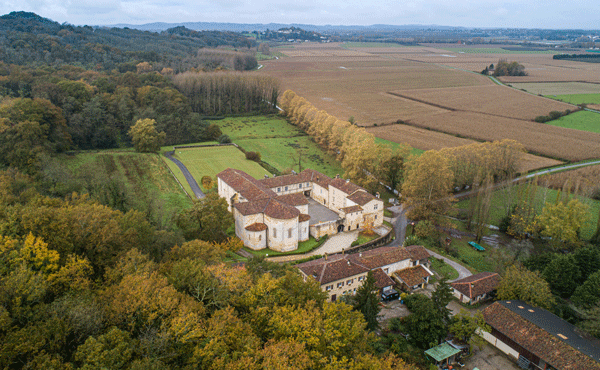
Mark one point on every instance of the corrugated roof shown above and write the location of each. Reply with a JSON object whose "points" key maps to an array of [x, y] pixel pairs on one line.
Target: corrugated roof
{"points": [[538, 331], [442, 352]]}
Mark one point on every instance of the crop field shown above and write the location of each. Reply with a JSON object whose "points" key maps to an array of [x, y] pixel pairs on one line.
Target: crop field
{"points": [[423, 140], [280, 144], [144, 176], [584, 121], [550, 89], [434, 88], [538, 138], [351, 45], [209, 161], [498, 51], [494, 100]]}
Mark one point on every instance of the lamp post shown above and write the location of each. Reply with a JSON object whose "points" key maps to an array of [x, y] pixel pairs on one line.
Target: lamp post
{"points": [[413, 228]]}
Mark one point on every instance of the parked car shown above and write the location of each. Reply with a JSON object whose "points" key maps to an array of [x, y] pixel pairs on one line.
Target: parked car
{"points": [[389, 295]]}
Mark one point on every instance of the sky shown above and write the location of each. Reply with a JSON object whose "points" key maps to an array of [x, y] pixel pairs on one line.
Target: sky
{"points": [[551, 14]]}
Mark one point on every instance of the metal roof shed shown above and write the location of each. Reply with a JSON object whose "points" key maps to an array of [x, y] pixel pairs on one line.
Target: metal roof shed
{"points": [[442, 353]]}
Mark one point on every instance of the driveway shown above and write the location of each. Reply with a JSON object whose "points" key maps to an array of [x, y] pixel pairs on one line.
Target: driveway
{"points": [[188, 176], [489, 358]]}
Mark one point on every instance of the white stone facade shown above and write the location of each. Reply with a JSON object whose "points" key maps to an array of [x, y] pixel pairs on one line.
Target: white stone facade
{"points": [[273, 212]]}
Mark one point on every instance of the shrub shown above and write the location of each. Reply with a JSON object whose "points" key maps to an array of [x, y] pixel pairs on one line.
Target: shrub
{"points": [[542, 119], [224, 139], [555, 114], [253, 156]]}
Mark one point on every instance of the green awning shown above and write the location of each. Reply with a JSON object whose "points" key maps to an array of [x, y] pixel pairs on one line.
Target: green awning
{"points": [[442, 352]]}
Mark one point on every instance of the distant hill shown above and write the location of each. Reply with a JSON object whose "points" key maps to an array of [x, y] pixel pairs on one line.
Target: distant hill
{"points": [[28, 39], [242, 27]]}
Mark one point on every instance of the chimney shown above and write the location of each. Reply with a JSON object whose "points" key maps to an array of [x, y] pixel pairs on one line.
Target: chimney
{"points": [[266, 176], [337, 175], [360, 254], [348, 263], [377, 195], [325, 256], [347, 181], [342, 251]]}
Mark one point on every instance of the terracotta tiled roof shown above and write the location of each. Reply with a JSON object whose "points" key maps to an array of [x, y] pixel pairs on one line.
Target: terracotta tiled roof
{"points": [[316, 177], [345, 186], [246, 185], [333, 268], [515, 322], [413, 275], [257, 226], [361, 197], [273, 182], [303, 217], [476, 285], [417, 252], [381, 256], [351, 209], [270, 207], [295, 199], [382, 280]]}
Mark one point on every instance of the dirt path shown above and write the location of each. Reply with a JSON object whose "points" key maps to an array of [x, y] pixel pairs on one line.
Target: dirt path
{"points": [[188, 176]]}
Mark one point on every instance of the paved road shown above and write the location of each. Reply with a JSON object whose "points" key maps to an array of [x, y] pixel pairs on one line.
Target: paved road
{"points": [[188, 176], [463, 272]]}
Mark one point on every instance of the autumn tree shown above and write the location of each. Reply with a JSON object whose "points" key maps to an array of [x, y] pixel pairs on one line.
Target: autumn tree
{"points": [[562, 221], [208, 219], [520, 283], [391, 168], [428, 185], [145, 137]]}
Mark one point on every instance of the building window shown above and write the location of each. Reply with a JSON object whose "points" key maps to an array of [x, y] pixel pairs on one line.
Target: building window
{"points": [[286, 188], [349, 281], [289, 233], [278, 190], [259, 237], [306, 184], [361, 278], [329, 287], [274, 233], [300, 186], [386, 270], [339, 285], [376, 217], [375, 207]]}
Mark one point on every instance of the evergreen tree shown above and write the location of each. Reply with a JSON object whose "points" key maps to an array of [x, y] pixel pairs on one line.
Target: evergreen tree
{"points": [[441, 296], [367, 302]]}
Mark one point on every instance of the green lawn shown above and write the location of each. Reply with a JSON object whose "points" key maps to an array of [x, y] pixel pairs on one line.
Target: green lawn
{"points": [[394, 145], [442, 268], [209, 161], [582, 120], [497, 210], [303, 247], [577, 98], [279, 143], [145, 177]]}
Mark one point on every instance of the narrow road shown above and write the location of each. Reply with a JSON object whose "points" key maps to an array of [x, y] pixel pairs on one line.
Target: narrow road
{"points": [[463, 272], [188, 176]]}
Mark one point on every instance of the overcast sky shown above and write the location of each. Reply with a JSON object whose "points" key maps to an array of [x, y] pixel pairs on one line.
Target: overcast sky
{"points": [[468, 13]]}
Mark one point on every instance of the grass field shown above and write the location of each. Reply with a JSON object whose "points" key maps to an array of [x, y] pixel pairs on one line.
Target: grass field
{"points": [[209, 161], [497, 210], [280, 144], [442, 268], [584, 121], [145, 177], [578, 98]]}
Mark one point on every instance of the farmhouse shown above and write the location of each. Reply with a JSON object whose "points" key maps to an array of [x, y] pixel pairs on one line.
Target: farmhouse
{"points": [[274, 212], [537, 339], [476, 288], [342, 274]]}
